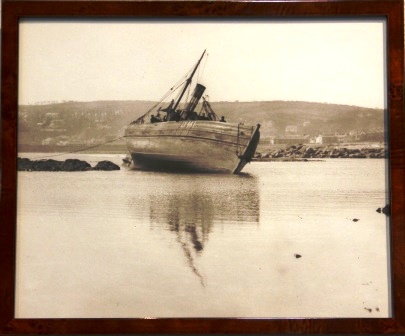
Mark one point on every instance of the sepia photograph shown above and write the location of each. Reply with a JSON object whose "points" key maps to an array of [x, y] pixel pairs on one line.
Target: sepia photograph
{"points": [[196, 168]]}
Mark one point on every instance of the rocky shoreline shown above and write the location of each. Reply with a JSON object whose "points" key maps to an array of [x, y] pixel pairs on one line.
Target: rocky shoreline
{"points": [[69, 165], [302, 152]]}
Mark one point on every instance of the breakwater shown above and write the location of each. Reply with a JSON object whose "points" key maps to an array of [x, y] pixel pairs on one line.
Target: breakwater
{"points": [[69, 165], [311, 152]]}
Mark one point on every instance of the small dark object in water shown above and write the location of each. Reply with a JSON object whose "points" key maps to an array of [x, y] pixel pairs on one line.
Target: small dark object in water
{"points": [[297, 255], [355, 219], [106, 165], [386, 210]]}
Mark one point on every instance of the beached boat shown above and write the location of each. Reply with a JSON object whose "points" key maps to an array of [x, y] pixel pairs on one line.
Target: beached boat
{"points": [[180, 139]]}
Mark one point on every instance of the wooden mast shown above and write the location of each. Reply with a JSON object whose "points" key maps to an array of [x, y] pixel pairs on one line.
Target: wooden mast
{"points": [[188, 81]]}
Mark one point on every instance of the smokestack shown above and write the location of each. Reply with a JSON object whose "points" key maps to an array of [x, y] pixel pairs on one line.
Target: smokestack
{"points": [[197, 94]]}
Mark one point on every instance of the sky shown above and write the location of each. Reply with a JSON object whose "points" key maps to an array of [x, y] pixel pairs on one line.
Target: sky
{"points": [[340, 62]]}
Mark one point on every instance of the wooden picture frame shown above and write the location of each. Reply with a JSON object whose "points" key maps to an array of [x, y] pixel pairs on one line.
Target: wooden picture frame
{"points": [[14, 10]]}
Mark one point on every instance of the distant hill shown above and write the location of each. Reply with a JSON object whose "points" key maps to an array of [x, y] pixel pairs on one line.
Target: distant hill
{"points": [[98, 120], [309, 118]]}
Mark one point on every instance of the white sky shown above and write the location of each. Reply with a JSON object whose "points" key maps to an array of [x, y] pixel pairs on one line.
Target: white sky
{"points": [[339, 62]]}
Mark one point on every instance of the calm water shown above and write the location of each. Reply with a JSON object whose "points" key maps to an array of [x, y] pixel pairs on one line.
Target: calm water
{"points": [[143, 244]]}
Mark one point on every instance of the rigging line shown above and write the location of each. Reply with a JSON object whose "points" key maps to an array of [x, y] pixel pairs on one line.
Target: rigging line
{"points": [[198, 75], [203, 65], [179, 83], [181, 80], [175, 88], [171, 90], [179, 93], [80, 150], [167, 94]]}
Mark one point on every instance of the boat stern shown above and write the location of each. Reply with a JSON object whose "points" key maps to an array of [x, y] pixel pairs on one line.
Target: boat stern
{"points": [[249, 151]]}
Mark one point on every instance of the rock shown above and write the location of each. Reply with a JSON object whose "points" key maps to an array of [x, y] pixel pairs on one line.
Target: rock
{"points": [[75, 165], [309, 152], [70, 165], [106, 165], [24, 164], [265, 156], [314, 151], [46, 165]]}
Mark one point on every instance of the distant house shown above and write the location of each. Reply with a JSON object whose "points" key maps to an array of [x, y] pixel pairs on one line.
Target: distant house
{"points": [[291, 129], [52, 115], [48, 141], [56, 124], [328, 139]]}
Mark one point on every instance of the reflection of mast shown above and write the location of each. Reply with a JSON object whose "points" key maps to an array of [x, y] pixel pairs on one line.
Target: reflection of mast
{"points": [[188, 252], [191, 223], [191, 207]]}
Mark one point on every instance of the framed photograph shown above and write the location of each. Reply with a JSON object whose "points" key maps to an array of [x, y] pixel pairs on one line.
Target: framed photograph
{"points": [[202, 167]]}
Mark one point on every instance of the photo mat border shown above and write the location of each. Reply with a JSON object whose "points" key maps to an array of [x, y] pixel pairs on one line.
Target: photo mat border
{"points": [[13, 10]]}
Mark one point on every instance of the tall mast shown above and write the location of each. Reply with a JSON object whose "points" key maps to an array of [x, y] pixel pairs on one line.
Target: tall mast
{"points": [[188, 81]]}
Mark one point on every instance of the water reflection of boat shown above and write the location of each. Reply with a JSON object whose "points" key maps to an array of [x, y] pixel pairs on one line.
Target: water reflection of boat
{"points": [[179, 138], [193, 208]]}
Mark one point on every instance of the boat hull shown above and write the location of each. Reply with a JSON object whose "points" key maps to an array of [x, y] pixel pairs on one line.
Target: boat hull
{"points": [[197, 146]]}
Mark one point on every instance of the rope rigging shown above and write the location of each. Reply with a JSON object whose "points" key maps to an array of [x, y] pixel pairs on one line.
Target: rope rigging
{"points": [[167, 94], [81, 149], [187, 86], [173, 89]]}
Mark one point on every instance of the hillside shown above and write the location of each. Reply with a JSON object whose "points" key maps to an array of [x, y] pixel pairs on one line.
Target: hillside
{"points": [[84, 122], [310, 118]]}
